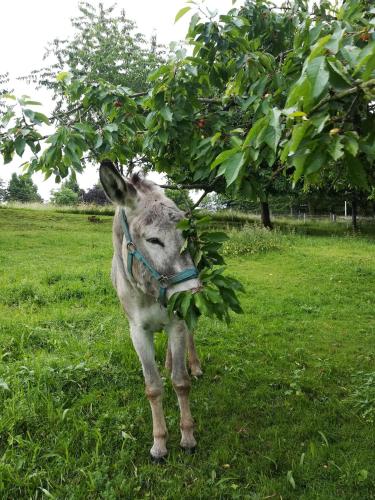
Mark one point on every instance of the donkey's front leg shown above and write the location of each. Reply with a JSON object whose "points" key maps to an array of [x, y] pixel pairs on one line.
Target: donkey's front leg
{"points": [[177, 333], [143, 342]]}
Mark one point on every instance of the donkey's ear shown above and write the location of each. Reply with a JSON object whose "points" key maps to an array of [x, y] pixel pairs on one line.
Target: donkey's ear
{"points": [[115, 186]]}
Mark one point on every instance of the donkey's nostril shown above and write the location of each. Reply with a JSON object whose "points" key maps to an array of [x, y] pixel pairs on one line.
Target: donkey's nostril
{"points": [[197, 289]]}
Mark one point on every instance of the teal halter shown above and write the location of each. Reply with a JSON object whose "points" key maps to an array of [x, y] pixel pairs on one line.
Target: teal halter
{"points": [[164, 281]]}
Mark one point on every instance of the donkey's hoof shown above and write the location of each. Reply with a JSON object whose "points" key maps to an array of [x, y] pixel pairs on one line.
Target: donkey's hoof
{"points": [[189, 451], [158, 460]]}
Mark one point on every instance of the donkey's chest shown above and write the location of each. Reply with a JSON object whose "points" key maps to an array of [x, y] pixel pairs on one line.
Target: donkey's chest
{"points": [[153, 317]]}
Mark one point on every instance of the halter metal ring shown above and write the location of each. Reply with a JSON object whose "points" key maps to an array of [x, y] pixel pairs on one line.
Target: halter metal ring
{"points": [[131, 246], [163, 280]]}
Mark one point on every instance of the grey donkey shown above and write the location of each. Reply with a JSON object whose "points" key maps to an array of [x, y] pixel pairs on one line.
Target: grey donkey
{"points": [[147, 268]]}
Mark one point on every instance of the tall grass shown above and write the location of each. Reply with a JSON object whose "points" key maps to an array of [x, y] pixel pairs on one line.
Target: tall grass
{"points": [[252, 239]]}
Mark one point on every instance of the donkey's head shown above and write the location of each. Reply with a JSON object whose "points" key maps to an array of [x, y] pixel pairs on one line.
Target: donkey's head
{"points": [[152, 219]]}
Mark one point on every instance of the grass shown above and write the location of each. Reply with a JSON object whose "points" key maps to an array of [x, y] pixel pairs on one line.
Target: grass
{"points": [[285, 408]]}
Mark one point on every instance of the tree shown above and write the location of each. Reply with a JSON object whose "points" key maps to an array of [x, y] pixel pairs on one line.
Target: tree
{"points": [[181, 197], [3, 191], [104, 48], [21, 188], [65, 196], [95, 195], [72, 184]]}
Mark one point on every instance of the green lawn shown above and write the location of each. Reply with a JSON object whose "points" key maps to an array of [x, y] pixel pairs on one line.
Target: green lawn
{"points": [[286, 406]]}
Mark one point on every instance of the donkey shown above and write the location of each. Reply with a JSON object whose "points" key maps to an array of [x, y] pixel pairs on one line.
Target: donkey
{"points": [[147, 268]]}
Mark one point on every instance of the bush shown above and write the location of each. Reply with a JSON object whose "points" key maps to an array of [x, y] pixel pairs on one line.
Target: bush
{"points": [[253, 239], [65, 196]]}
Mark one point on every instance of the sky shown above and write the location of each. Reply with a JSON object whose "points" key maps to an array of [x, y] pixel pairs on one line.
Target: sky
{"points": [[27, 26]]}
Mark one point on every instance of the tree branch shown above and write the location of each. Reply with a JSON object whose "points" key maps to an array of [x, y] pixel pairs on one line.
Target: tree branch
{"points": [[186, 186], [344, 93], [199, 200]]}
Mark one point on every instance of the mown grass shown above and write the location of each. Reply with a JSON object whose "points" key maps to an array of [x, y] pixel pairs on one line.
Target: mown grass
{"points": [[285, 408]]}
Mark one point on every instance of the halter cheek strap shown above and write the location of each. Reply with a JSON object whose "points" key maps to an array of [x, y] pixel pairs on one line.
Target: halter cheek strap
{"points": [[164, 281]]}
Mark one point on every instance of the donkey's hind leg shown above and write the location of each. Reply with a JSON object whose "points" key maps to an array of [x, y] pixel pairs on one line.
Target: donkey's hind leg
{"points": [[143, 342], [177, 333], [194, 363], [168, 357]]}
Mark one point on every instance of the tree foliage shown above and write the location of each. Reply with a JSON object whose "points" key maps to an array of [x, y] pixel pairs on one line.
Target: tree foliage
{"points": [[95, 195], [105, 47], [3, 191], [21, 188], [64, 196]]}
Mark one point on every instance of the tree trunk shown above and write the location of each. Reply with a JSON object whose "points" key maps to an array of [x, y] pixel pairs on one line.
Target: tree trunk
{"points": [[354, 212], [265, 214]]}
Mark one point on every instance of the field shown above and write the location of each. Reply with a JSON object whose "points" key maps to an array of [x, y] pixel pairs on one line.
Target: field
{"points": [[286, 406]]}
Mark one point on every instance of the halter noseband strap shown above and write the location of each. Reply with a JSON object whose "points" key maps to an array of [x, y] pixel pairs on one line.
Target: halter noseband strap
{"points": [[164, 281]]}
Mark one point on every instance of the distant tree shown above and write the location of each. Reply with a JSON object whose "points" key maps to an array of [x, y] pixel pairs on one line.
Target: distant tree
{"points": [[105, 46], [64, 196], [3, 191], [95, 195], [21, 188], [181, 197], [72, 184]]}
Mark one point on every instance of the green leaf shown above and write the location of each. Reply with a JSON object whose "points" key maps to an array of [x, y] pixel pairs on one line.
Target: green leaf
{"points": [[367, 54], [319, 120], [217, 236], [19, 145], [334, 43], [166, 113], [224, 155], [336, 148], [255, 130], [36, 117], [356, 173], [111, 127], [318, 76], [32, 103], [181, 13], [351, 143], [202, 303], [297, 114], [41, 118], [183, 224], [273, 132], [298, 134], [215, 138], [231, 167], [337, 74], [315, 162], [29, 113], [185, 304], [319, 48], [301, 90]]}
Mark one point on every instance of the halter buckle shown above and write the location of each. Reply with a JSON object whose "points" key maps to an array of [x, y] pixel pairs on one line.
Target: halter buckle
{"points": [[131, 246], [163, 280]]}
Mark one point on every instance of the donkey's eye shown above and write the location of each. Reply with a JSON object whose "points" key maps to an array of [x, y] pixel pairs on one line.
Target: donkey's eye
{"points": [[155, 241]]}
